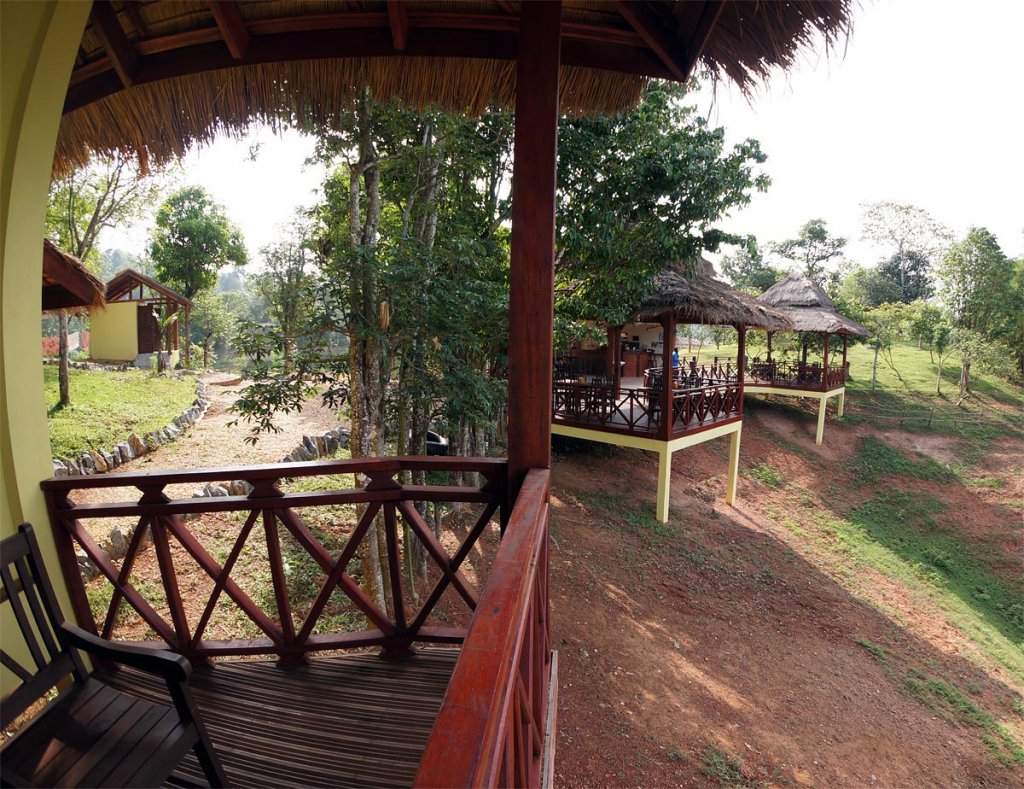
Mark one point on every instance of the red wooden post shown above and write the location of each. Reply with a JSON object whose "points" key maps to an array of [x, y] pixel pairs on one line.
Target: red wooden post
{"points": [[531, 279], [668, 325], [824, 366], [741, 353]]}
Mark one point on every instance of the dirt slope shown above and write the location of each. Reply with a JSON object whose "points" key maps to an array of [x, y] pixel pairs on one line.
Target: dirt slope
{"points": [[726, 649]]}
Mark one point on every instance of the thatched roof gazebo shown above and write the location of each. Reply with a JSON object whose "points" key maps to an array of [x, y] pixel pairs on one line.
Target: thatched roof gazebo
{"points": [[811, 311], [701, 298], [809, 307]]}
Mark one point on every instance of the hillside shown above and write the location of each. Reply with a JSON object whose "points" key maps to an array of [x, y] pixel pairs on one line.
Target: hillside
{"points": [[857, 619]]}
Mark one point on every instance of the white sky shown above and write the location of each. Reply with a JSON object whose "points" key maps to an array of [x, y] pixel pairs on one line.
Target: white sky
{"points": [[924, 106]]}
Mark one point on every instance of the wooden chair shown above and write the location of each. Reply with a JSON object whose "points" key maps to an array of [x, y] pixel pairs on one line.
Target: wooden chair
{"points": [[90, 734]]}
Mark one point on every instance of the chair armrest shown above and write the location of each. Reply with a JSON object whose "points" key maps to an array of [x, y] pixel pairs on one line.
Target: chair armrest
{"points": [[155, 661]]}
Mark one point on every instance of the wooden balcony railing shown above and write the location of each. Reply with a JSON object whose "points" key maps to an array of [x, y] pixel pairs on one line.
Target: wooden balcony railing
{"points": [[492, 725], [260, 524], [695, 407], [637, 411], [788, 375]]}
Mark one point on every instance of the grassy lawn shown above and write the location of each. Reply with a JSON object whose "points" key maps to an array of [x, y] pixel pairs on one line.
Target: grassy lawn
{"points": [[107, 406]]}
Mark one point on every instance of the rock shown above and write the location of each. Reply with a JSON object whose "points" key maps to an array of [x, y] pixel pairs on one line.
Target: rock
{"points": [[88, 570], [330, 441], [59, 469], [86, 462], [178, 422], [105, 554], [127, 453], [343, 437], [107, 458], [115, 453], [299, 454], [147, 536], [137, 445], [99, 463], [216, 490], [152, 442], [239, 487], [118, 543], [287, 459], [199, 493], [74, 470], [321, 446], [310, 446]]}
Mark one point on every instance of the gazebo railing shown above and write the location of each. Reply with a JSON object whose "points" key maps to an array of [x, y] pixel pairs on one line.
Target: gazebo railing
{"points": [[696, 406], [266, 520]]}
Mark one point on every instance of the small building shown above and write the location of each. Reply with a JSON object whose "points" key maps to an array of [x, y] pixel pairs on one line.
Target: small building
{"points": [[811, 312], [140, 322], [646, 411]]}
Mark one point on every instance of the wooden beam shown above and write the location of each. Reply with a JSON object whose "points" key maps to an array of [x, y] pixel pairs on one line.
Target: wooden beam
{"points": [[651, 30], [360, 35], [709, 18], [137, 22], [531, 278], [118, 47], [398, 21], [232, 26]]}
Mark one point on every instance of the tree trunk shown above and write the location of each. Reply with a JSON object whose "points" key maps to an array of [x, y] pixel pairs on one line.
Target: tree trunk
{"points": [[938, 379], [64, 362], [965, 379], [874, 370]]}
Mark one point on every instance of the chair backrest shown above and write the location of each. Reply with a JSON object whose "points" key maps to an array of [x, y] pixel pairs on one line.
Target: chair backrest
{"points": [[27, 590]]}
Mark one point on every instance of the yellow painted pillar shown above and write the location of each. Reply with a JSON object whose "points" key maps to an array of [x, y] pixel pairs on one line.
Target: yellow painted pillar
{"points": [[734, 466], [664, 481], [822, 402], [842, 403], [38, 42]]}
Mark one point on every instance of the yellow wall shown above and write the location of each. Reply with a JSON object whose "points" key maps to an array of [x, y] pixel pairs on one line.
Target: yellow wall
{"points": [[114, 332], [38, 42]]}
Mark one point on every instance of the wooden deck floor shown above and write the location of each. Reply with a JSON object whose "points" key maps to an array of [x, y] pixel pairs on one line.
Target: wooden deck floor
{"points": [[353, 720]]}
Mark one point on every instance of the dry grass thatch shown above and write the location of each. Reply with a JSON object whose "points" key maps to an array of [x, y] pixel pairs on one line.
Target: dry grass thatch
{"points": [[158, 121], [809, 307], [700, 298], [67, 283]]}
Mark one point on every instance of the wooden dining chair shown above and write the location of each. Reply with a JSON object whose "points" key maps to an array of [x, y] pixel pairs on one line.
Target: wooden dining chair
{"points": [[89, 734]]}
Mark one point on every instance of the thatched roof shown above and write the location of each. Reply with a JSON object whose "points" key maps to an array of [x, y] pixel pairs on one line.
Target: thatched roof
{"points": [[809, 307], [67, 283], [124, 282], [155, 77], [700, 298]]}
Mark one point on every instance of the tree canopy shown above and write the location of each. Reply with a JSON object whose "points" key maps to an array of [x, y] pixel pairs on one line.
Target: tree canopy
{"points": [[193, 240]]}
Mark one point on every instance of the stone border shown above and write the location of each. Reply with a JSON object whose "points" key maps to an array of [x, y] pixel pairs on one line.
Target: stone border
{"points": [[321, 446], [99, 461]]}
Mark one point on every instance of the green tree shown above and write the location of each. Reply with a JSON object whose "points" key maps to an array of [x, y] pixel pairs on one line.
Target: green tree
{"points": [[811, 250], [887, 324], [192, 241], [908, 274], [81, 205], [287, 281], [977, 283], [748, 271], [640, 191], [869, 287], [916, 239], [212, 319]]}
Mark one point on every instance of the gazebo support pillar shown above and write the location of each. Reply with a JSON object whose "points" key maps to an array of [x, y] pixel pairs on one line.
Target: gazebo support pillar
{"points": [[734, 465], [615, 356], [668, 326], [531, 277]]}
